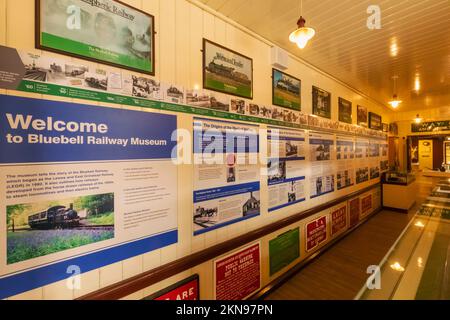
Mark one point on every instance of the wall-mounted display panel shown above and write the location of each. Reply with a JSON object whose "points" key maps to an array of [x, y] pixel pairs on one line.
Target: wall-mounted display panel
{"points": [[375, 121], [286, 90], [238, 275], [321, 102], [345, 110], [283, 250], [227, 71], [103, 31], [286, 167], [362, 116], [83, 186], [187, 290], [226, 174]]}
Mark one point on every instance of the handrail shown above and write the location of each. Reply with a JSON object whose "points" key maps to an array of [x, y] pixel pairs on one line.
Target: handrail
{"points": [[131, 285]]}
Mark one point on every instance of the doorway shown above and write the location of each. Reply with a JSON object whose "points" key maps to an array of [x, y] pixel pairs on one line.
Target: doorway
{"points": [[425, 154]]}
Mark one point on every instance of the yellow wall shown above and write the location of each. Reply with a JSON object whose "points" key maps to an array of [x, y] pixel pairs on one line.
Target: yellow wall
{"points": [[180, 27]]}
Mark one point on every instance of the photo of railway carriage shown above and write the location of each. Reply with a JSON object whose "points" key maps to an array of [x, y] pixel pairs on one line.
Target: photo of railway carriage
{"points": [[43, 228]]}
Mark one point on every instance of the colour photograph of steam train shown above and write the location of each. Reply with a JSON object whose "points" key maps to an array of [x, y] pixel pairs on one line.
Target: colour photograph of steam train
{"points": [[42, 228]]}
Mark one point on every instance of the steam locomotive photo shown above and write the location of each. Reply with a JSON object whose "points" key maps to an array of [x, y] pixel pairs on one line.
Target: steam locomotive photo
{"points": [[57, 217], [228, 72]]}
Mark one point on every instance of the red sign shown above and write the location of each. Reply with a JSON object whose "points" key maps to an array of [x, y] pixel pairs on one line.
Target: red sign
{"points": [[353, 206], [238, 275], [183, 290], [338, 220], [316, 233], [366, 205]]}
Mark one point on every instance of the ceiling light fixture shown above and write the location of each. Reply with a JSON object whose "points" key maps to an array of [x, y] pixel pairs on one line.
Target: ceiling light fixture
{"points": [[418, 119], [417, 83], [394, 47], [395, 102], [302, 35]]}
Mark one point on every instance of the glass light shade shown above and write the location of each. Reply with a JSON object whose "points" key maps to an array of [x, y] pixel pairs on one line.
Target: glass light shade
{"points": [[395, 103], [301, 36]]}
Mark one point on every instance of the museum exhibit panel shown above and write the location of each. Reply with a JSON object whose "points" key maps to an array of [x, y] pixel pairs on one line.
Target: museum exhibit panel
{"points": [[180, 150]]}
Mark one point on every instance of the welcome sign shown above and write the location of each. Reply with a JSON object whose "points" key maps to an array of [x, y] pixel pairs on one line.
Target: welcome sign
{"points": [[104, 31]]}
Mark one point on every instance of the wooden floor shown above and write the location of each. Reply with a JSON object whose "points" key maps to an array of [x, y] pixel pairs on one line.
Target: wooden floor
{"points": [[340, 272]]}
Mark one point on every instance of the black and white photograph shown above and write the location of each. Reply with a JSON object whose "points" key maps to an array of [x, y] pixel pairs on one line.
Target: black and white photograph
{"points": [[374, 172], [321, 152], [174, 93], [146, 88], [96, 80], [253, 205], [265, 112], [231, 174], [75, 74], [219, 102], [321, 102], [276, 170], [362, 175], [238, 106], [253, 109], [345, 178]]}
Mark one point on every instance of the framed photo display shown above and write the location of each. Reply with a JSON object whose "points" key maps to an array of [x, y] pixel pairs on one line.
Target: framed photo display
{"points": [[103, 31], [286, 90], [375, 122], [362, 116], [321, 102], [227, 71], [345, 110], [385, 127]]}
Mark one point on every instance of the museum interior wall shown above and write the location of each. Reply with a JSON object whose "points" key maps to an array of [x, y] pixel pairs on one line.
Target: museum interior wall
{"points": [[181, 26]]}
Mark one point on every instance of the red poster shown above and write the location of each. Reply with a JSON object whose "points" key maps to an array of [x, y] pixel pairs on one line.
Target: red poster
{"points": [[316, 233], [353, 206], [338, 220], [238, 275], [366, 205], [184, 290]]}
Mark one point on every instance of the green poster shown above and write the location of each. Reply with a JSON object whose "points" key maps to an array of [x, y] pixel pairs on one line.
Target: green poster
{"points": [[283, 250], [227, 71], [286, 90], [104, 31]]}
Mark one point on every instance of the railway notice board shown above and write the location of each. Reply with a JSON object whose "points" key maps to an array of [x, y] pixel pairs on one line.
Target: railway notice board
{"points": [[82, 187], [238, 275]]}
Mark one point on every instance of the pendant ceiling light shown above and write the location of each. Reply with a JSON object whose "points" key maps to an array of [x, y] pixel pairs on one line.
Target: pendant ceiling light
{"points": [[418, 119], [302, 35], [395, 102]]}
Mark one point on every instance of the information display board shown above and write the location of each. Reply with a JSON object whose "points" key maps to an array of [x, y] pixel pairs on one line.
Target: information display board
{"points": [[226, 174], [238, 275], [316, 233], [187, 289], [338, 220], [286, 167], [83, 186], [283, 250], [366, 205], [354, 209], [361, 163]]}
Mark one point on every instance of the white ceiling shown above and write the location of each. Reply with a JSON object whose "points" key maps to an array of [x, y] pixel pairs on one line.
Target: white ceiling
{"points": [[345, 48]]}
